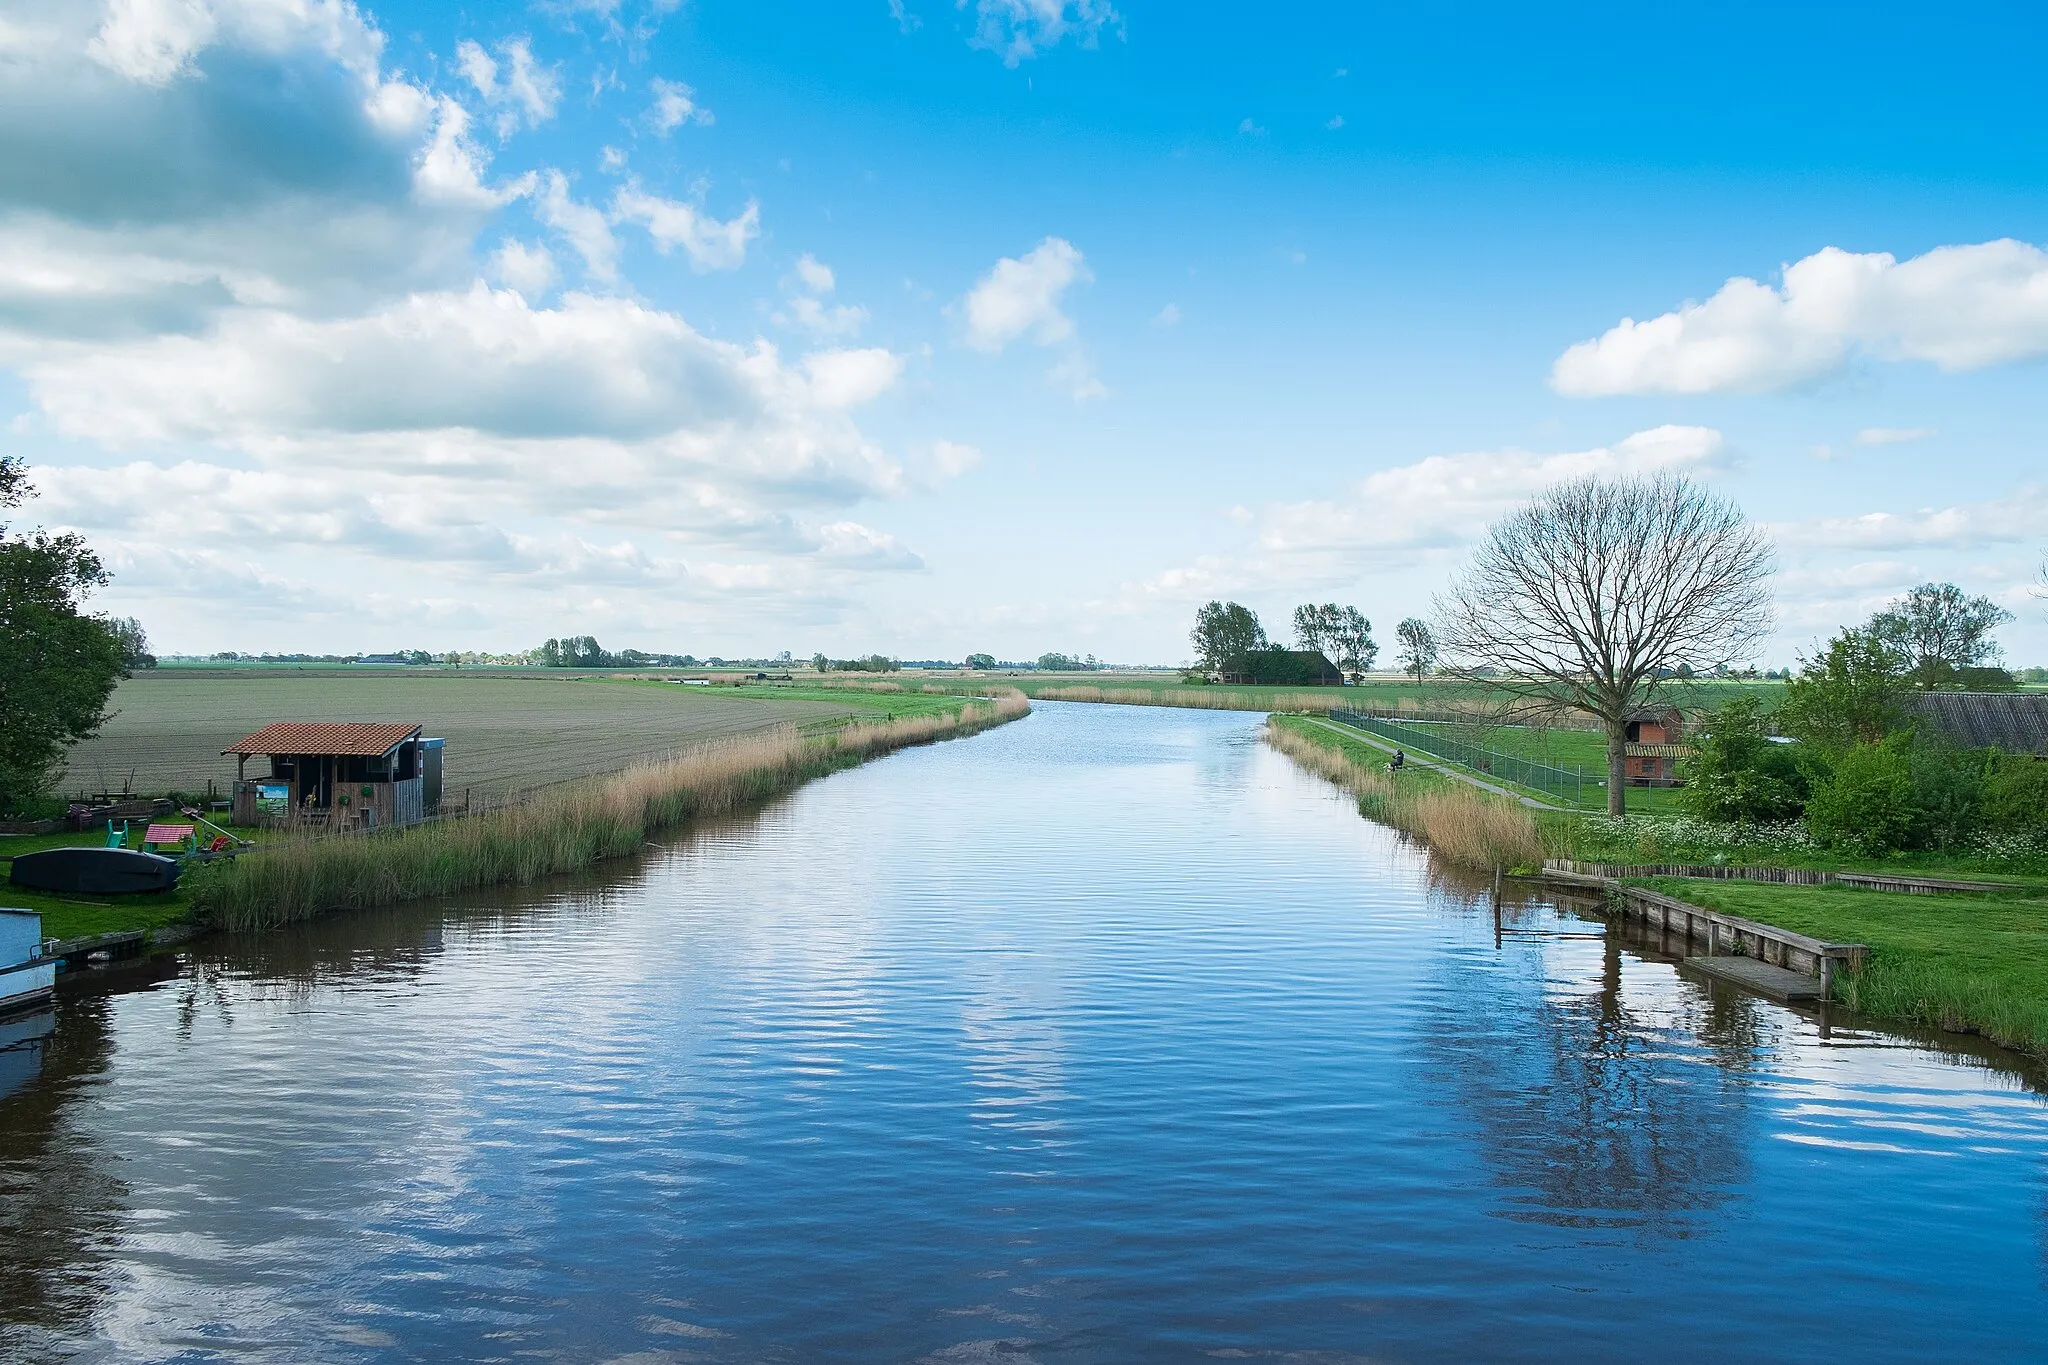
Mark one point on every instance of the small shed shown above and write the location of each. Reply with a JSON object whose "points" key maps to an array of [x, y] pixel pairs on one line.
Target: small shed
{"points": [[2011, 722], [341, 775], [1655, 744]]}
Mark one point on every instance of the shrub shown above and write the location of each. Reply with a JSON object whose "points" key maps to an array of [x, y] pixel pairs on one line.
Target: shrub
{"points": [[1737, 774], [1867, 803], [2016, 797], [1948, 790]]}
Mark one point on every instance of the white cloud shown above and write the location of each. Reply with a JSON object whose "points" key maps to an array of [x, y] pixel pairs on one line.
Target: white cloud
{"points": [[133, 198], [950, 459], [151, 41], [1019, 29], [810, 312], [528, 269], [1169, 316], [1436, 505], [1074, 373], [814, 274], [821, 319], [1957, 307], [1891, 436], [710, 244], [841, 379], [520, 87], [2016, 518], [582, 226], [1022, 295], [1250, 129], [674, 105], [1336, 122], [280, 345]]}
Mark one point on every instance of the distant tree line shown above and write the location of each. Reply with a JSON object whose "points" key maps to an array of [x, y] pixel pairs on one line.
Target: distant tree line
{"points": [[583, 651], [873, 663]]}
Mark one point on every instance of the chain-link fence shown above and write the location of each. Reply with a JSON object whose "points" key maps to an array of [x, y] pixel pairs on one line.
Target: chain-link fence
{"points": [[1567, 784]]}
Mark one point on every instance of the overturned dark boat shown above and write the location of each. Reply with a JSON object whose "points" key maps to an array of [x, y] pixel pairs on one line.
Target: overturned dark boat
{"points": [[94, 871]]}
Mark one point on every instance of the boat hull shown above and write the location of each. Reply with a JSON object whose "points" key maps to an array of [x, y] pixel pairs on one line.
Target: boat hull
{"points": [[94, 871]]}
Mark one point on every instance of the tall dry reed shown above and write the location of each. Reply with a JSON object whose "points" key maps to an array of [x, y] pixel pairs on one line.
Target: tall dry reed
{"points": [[1463, 824], [1201, 698], [560, 829]]}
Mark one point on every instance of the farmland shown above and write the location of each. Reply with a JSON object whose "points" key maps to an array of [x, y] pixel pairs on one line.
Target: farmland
{"points": [[504, 731]]}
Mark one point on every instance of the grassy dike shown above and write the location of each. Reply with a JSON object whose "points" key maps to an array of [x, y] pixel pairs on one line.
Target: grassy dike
{"points": [[561, 829], [1462, 823], [1975, 963]]}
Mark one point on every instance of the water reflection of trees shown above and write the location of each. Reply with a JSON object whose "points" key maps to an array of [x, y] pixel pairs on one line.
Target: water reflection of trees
{"points": [[1585, 1109]]}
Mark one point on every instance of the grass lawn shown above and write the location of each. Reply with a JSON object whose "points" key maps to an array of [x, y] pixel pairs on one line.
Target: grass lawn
{"points": [[1971, 963]]}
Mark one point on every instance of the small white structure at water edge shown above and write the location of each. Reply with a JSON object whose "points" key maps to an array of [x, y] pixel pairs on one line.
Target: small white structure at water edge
{"points": [[26, 976]]}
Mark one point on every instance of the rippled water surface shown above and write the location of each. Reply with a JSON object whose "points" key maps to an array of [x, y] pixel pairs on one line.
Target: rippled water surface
{"points": [[1105, 1035]]}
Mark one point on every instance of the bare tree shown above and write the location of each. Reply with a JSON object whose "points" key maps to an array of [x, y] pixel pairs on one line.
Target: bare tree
{"points": [[1590, 597]]}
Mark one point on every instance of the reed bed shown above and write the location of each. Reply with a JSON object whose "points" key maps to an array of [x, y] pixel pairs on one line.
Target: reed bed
{"points": [[1462, 824], [560, 829]]}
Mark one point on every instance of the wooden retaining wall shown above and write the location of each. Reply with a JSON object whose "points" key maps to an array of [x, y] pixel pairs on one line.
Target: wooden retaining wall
{"points": [[1722, 933], [1785, 876]]}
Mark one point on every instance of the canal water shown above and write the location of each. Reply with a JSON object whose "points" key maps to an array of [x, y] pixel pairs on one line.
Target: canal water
{"points": [[1106, 1035]]}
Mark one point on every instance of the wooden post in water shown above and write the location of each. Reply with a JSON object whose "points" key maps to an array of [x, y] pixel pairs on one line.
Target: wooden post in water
{"points": [[1496, 905]]}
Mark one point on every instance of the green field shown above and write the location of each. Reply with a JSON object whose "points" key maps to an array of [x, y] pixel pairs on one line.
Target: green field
{"points": [[1970, 963], [505, 730]]}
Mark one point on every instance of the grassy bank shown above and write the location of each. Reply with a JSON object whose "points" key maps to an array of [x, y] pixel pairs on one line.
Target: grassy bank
{"points": [[560, 829], [1463, 824], [1970, 964]]}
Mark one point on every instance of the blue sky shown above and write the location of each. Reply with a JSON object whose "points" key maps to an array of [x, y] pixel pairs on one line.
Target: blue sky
{"points": [[1004, 325]]}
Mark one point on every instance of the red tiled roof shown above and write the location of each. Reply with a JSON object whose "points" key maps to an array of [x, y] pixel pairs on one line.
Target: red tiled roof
{"points": [[300, 737]]}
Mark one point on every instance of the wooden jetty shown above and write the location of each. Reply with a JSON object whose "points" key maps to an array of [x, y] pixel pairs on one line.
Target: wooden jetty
{"points": [[1783, 876], [1802, 967]]}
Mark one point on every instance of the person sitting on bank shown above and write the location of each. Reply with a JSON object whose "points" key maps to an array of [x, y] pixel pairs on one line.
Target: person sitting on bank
{"points": [[1398, 761]]}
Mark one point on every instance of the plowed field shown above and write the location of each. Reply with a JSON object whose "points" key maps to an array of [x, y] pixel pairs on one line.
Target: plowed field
{"points": [[504, 732]]}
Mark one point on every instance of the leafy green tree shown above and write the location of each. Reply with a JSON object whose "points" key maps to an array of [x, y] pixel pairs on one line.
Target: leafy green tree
{"points": [[133, 640], [1351, 643], [1940, 632], [1224, 633], [981, 661], [1737, 774], [1850, 693], [1342, 634], [1418, 647], [58, 666]]}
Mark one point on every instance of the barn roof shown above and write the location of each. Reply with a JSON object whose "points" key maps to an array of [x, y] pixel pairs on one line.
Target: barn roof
{"points": [[2012, 722], [302, 737]]}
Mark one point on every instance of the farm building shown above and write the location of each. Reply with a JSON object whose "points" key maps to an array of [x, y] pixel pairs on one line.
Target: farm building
{"points": [[2010, 722], [1285, 667], [1654, 748], [346, 776]]}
